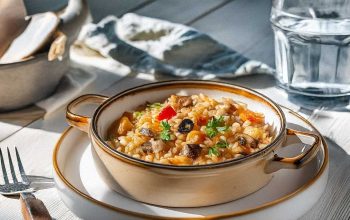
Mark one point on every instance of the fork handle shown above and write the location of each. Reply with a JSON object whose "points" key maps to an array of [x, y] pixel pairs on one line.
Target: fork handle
{"points": [[33, 208]]}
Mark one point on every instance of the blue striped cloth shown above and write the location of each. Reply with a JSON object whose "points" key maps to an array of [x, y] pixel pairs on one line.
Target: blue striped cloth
{"points": [[156, 46]]}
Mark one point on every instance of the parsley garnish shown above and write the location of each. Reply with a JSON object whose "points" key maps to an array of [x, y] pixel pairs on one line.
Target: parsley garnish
{"points": [[214, 126], [221, 144], [213, 151], [165, 134]]}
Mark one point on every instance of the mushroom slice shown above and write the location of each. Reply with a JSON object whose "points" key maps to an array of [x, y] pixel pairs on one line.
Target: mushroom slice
{"points": [[192, 150], [232, 108], [246, 140], [37, 34], [146, 132], [147, 147], [185, 101], [181, 101]]}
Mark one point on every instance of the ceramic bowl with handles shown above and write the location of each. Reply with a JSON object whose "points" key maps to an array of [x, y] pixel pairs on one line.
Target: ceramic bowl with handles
{"points": [[186, 186]]}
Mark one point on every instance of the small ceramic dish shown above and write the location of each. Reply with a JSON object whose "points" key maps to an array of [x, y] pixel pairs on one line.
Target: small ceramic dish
{"points": [[187, 186], [25, 82], [288, 196]]}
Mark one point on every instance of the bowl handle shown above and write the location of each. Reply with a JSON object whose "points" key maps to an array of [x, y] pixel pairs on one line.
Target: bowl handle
{"points": [[277, 162], [82, 122]]}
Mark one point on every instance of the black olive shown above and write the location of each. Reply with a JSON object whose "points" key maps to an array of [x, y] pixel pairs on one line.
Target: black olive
{"points": [[186, 126], [192, 150], [147, 132]]}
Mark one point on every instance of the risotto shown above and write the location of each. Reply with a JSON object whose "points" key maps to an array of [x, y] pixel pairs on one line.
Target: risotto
{"points": [[190, 130]]}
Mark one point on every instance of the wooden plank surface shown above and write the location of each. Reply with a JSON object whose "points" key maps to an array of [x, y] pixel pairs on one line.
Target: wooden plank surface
{"points": [[102, 8], [11, 122], [244, 26], [179, 11]]}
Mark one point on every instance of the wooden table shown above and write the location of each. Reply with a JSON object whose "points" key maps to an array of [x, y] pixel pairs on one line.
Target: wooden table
{"points": [[241, 24]]}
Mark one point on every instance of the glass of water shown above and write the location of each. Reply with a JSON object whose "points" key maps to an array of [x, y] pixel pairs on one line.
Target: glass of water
{"points": [[312, 46]]}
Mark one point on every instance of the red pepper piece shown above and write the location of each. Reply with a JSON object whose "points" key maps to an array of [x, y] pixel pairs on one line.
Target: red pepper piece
{"points": [[167, 113], [202, 121]]}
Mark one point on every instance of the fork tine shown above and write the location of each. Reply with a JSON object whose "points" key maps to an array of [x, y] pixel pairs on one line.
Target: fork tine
{"points": [[14, 178], [20, 167], [4, 173]]}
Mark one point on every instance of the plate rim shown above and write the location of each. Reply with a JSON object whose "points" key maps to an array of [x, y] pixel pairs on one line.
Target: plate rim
{"points": [[223, 215]]}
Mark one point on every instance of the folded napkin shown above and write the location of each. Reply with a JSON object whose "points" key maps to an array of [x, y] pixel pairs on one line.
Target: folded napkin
{"points": [[154, 46], [148, 45]]}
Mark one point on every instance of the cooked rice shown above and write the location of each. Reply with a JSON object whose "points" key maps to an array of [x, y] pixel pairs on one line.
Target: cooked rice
{"points": [[236, 122]]}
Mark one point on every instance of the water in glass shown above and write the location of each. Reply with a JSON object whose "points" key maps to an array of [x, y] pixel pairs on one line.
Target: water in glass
{"points": [[312, 46]]}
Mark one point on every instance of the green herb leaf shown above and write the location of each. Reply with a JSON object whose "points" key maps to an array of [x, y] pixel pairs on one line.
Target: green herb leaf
{"points": [[165, 133], [215, 122], [211, 132], [221, 144], [214, 126], [213, 151], [165, 125]]}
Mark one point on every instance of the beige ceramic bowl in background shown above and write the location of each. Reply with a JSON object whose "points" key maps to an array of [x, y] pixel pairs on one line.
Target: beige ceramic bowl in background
{"points": [[26, 82], [185, 186]]}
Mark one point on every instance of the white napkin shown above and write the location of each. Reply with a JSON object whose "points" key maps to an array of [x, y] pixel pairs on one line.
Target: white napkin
{"points": [[154, 46]]}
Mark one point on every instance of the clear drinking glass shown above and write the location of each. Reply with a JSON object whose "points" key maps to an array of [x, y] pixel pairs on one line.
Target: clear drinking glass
{"points": [[312, 46]]}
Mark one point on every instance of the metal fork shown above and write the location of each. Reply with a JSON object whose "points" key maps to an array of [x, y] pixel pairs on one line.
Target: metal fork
{"points": [[32, 208]]}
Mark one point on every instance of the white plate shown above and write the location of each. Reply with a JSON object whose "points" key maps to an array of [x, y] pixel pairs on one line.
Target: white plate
{"points": [[288, 196]]}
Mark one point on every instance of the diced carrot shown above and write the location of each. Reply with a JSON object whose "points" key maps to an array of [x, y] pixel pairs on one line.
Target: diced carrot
{"points": [[180, 160], [252, 116], [195, 137], [124, 125]]}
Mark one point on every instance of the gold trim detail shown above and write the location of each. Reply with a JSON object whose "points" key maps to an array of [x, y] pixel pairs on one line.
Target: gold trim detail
{"points": [[217, 216]]}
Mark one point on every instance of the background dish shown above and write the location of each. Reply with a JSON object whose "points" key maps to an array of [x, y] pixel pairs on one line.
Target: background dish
{"points": [[26, 82]]}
